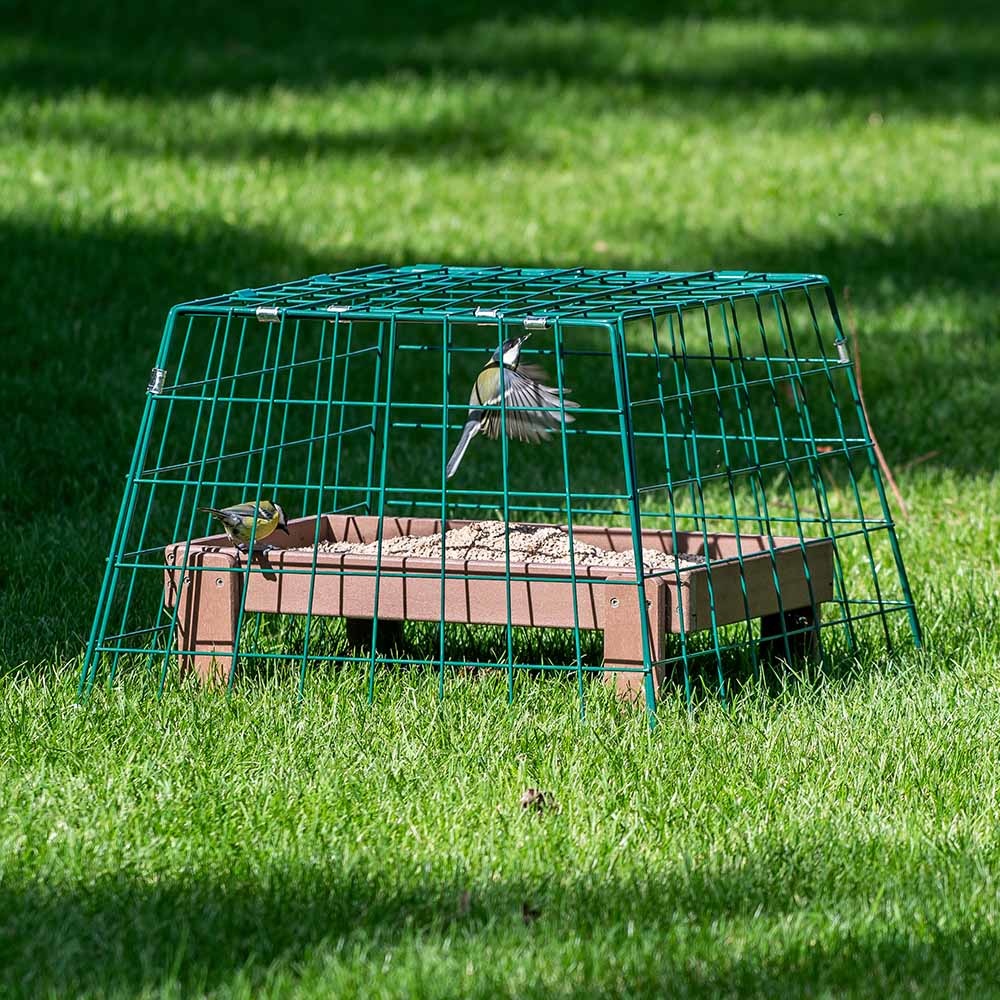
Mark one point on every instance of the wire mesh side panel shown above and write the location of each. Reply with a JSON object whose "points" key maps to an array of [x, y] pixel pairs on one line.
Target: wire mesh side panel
{"points": [[336, 419], [248, 410], [753, 452], [517, 484]]}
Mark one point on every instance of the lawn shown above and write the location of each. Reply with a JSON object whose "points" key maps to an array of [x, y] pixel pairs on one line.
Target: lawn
{"points": [[835, 836]]}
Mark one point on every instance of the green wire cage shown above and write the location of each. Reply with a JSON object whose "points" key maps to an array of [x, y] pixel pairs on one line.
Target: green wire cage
{"points": [[717, 443]]}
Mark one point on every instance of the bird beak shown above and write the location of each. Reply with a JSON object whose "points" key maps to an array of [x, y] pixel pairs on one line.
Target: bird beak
{"points": [[283, 527]]}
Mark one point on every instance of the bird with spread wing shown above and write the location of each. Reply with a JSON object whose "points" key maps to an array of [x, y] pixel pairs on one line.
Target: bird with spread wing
{"points": [[533, 409]]}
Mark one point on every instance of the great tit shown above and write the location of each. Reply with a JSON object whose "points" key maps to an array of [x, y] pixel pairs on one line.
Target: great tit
{"points": [[523, 386]]}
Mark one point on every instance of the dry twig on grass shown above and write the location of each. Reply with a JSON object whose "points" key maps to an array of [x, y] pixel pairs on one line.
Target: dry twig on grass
{"points": [[883, 464]]}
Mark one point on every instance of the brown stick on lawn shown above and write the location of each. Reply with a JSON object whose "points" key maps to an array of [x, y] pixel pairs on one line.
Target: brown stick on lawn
{"points": [[883, 464]]}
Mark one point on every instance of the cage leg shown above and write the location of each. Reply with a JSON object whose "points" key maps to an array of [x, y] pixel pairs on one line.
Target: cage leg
{"points": [[207, 616], [624, 666], [388, 639], [802, 645]]}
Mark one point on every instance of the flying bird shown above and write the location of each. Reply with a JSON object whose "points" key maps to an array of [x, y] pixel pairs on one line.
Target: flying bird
{"points": [[521, 385]]}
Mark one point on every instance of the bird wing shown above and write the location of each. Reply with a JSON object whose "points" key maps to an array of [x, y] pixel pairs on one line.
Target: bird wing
{"points": [[237, 513], [539, 377], [535, 372], [250, 510], [541, 411]]}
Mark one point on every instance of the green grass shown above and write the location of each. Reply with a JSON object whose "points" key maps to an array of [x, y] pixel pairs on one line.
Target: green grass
{"points": [[834, 836]]}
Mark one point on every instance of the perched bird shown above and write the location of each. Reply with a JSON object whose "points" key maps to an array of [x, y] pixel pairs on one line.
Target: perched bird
{"points": [[238, 521], [523, 386]]}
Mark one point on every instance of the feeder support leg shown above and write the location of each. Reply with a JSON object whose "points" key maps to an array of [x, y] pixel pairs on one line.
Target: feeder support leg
{"points": [[208, 612], [802, 645], [389, 637], [623, 625]]}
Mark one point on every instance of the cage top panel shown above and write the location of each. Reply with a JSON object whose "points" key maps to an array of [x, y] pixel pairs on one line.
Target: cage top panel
{"points": [[434, 292]]}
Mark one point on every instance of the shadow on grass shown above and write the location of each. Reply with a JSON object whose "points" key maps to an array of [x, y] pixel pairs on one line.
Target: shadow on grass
{"points": [[82, 327], [749, 666], [85, 326], [485, 137], [89, 307], [928, 388], [122, 933], [148, 49]]}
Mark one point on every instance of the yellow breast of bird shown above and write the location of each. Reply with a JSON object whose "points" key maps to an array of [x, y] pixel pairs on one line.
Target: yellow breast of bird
{"points": [[265, 526]]}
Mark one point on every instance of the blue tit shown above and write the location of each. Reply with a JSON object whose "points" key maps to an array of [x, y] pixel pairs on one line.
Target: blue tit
{"points": [[523, 386], [238, 521]]}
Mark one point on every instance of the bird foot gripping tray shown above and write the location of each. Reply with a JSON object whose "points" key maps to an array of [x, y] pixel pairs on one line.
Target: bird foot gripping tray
{"points": [[714, 439]]}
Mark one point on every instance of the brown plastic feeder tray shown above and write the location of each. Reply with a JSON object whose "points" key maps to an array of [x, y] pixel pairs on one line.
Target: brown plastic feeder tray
{"points": [[210, 600]]}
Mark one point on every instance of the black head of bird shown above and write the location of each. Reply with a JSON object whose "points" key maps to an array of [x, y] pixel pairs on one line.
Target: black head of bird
{"points": [[508, 353], [508, 392]]}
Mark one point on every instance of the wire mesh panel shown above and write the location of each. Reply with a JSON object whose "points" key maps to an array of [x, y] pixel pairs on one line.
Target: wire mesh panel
{"points": [[703, 427]]}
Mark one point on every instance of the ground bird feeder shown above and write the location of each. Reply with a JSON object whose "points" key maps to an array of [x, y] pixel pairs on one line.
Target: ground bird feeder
{"points": [[715, 503]]}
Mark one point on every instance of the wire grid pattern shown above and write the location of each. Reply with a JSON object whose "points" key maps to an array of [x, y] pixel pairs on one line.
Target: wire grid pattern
{"points": [[712, 403], [435, 291]]}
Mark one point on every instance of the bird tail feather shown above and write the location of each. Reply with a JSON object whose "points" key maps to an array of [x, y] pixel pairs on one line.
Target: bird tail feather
{"points": [[468, 433]]}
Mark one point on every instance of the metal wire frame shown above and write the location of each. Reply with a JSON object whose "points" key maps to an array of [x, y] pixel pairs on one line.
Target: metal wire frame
{"points": [[464, 294], [565, 303]]}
